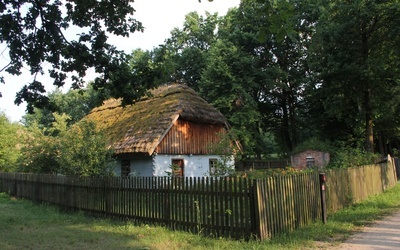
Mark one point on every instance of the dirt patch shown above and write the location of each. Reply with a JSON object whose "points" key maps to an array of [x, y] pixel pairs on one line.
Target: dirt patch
{"points": [[383, 234]]}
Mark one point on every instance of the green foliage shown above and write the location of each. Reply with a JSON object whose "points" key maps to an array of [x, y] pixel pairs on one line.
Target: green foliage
{"points": [[231, 89], [345, 157], [188, 47], [10, 136], [60, 149], [75, 103], [173, 168], [291, 69], [39, 153], [35, 38], [227, 150], [313, 143], [83, 152], [261, 174], [356, 61]]}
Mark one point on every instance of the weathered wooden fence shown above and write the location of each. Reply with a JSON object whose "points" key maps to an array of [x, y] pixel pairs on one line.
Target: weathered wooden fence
{"points": [[351, 185], [216, 207], [286, 203], [229, 207]]}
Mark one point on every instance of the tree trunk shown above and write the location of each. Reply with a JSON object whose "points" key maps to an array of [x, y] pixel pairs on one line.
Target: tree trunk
{"points": [[287, 142], [369, 132]]}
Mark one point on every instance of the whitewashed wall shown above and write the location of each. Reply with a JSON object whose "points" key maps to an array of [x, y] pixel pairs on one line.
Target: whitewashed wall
{"points": [[194, 165], [159, 165], [140, 166]]}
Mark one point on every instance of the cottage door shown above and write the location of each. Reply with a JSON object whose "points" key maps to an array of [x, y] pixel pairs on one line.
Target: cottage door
{"points": [[178, 167]]}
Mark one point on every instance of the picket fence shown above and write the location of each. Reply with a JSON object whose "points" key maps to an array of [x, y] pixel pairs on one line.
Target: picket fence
{"points": [[239, 208]]}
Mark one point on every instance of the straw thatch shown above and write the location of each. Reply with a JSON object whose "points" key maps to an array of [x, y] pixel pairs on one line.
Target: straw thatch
{"points": [[140, 127]]}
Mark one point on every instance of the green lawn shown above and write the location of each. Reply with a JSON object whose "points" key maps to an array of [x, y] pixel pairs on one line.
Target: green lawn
{"points": [[24, 225]]}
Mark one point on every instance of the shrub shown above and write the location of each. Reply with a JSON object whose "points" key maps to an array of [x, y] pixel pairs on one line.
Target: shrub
{"points": [[346, 157]]}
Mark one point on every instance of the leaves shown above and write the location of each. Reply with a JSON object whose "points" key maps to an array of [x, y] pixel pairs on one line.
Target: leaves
{"points": [[61, 149], [9, 141], [35, 37]]}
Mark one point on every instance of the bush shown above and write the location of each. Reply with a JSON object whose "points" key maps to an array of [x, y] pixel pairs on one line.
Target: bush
{"points": [[9, 143], [260, 174], [346, 157], [76, 150]]}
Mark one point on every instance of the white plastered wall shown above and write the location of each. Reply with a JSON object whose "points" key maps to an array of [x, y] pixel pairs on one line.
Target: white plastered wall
{"points": [[194, 165]]}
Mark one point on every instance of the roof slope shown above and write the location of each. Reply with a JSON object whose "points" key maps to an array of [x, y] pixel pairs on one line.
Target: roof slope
{"points": [[140, 127]]}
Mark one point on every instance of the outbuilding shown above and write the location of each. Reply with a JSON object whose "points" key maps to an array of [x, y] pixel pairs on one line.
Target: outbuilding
{"points": [[310, 159]]}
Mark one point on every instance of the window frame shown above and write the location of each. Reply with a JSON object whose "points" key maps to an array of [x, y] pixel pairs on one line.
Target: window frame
{"points": [[125, 168], [212, 165]]}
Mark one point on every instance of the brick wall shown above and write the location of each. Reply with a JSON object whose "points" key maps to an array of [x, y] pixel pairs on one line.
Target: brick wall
{"points": [[310, 158]]}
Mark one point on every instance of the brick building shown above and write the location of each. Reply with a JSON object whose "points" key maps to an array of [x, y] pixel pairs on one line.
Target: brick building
{"points": [[310, 159]]}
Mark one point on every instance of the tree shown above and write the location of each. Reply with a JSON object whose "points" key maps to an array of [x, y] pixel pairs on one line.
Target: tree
{"points": [[9, 143], [188, 47], [84, 152], [75, 103], [39, 152], [270, 40], [152, 68], [228, 84], [62, 149], [357, 62], [35, 34]]}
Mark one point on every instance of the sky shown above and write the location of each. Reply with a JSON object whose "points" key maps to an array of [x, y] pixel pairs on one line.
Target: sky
{"points": [[158, 17]]}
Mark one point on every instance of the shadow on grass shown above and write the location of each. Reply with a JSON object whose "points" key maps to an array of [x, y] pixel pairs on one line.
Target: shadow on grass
{"points": [[29, 226]]}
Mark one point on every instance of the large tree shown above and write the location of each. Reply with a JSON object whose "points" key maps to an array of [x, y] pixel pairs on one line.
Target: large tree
{"points": [[271, 39], [35, 33], [187, 47], [357, 60]]}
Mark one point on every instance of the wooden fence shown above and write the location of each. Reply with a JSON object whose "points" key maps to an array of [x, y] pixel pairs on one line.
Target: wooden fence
{"points": [[352, 185], [228, 207], [213, 207], [286, 203]]}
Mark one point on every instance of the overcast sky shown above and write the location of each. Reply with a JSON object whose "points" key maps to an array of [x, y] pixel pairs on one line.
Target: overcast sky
{"points": [[159, 17]]}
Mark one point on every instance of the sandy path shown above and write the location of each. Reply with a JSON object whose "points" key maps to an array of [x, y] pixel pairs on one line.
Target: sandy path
{"points": [[383, 234]]}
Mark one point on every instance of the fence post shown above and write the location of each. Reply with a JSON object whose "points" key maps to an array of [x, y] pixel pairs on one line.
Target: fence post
{"points": [[322, 181]]}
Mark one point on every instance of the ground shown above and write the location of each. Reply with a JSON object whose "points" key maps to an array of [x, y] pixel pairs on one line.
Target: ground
{"points": [[382, 234]]}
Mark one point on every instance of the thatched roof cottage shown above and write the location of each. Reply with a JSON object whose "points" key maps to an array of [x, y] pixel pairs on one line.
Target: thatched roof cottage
{"points": [[173, 127]]}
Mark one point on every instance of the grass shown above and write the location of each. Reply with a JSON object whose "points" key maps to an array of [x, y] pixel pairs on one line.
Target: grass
{"points": [[31, 226]]}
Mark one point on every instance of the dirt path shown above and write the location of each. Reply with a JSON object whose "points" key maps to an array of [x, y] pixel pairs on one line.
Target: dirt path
{"points": [[383, 234]]}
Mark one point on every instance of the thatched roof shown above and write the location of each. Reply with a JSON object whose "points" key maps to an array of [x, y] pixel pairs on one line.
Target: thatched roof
{"points": [[140, 127]]}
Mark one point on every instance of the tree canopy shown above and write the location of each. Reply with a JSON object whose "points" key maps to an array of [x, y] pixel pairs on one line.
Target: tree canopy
{"points": [[35, 34], [284, 73], [295, 70]]}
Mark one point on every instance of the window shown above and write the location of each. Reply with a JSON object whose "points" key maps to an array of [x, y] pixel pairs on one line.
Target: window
{"points": [[125, 168], [177, 167], [213, 163], [310, 162]]}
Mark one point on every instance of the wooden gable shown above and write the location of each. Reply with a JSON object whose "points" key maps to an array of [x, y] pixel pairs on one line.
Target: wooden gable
{"points": [[186, 137]]}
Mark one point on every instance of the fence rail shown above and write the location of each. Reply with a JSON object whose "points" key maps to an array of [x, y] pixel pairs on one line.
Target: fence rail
{"points": [[228, 207]]}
